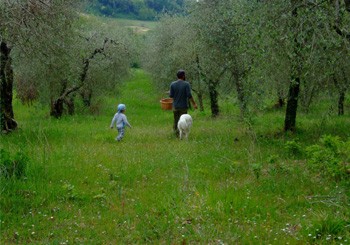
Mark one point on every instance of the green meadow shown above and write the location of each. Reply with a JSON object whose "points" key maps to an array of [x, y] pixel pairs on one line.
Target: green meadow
{"points": [[232, 182], [138, 26]]}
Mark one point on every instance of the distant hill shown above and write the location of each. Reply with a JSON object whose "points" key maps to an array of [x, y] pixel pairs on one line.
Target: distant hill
{"points": [[136, 9]]}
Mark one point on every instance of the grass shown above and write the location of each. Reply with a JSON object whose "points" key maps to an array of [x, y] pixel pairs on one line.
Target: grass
{"points": [[229, 183]]}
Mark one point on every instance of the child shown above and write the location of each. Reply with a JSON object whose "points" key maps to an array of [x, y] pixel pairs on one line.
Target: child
{"points": [[120, 121]]}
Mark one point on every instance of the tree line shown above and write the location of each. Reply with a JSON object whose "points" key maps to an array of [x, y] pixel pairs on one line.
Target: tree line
{"points": [[139, 9], [52, 54], [290, 53]]}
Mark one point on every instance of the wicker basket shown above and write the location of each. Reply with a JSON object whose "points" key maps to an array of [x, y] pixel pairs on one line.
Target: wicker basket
{"points": [[166, 104]]}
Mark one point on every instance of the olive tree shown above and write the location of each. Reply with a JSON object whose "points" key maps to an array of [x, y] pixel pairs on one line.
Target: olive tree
{"points": [[174, 45], [341, 51], [7, 121], [72, 57], [313, 43], [98, 63], [111, 64], [293, 50], [228, 31], [22, 25]]}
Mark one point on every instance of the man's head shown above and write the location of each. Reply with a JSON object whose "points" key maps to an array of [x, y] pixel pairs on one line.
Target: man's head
{"points": [[181, 74]]}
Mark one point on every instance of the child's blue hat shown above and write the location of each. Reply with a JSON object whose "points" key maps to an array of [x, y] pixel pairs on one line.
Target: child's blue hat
{"points": [[121, 107]]}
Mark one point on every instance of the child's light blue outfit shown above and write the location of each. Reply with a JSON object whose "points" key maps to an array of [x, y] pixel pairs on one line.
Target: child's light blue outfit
{"points": [[120, 121]]}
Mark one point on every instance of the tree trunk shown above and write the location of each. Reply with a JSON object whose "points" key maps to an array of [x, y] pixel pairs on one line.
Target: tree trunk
{"points": [[341, 103], [292, 105], [57, 105], [200, 77], [280, 102], [280, 97], [240, 94], [69, 101], [7, 122], [57, 108], [199, 94], [294, 86], [200, 101], [342, 91], [347, 5], [86, 95], [214, 105]]}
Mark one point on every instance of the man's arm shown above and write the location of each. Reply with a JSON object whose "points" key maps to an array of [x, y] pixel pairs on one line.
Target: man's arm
{"points": [[193, 103], [171, 91], [189, 94]]}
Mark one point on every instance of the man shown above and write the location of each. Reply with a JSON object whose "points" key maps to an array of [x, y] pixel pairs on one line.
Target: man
{"points": [[180, 91]]}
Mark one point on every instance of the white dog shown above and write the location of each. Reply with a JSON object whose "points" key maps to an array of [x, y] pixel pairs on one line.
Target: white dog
{"points": [[184, 125]]}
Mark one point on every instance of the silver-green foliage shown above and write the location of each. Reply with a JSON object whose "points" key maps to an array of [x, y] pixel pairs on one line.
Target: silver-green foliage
{"points": [[53, 42], [213, 43], [323, 53], [256, 43]]}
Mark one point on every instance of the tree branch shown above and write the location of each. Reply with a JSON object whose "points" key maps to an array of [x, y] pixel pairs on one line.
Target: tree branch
{"points": [[347, 5], [69, 91], [87, 61], [341, 33]]}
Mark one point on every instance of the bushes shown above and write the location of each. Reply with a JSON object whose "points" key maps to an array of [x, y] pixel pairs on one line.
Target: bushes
{"points": [[13, 166], [294, 148], [328, 157]]}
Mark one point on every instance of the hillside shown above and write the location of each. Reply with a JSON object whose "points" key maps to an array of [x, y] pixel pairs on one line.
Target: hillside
{"points": [[139, 26], [135, 9]]}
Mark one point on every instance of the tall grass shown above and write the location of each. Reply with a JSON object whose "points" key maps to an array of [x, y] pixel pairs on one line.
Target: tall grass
{"points": [[229, 183]]}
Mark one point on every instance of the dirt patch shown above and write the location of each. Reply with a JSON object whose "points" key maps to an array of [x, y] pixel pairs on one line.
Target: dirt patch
{"points": [[139, 29]]}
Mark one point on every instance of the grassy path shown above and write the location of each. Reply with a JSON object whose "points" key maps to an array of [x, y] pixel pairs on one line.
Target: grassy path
{"points": [[83, 187]]}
